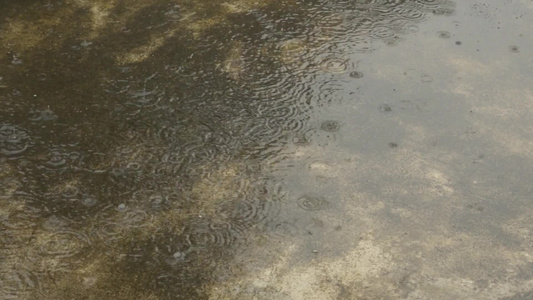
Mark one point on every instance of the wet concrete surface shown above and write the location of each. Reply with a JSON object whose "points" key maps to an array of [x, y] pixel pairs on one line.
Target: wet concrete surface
{"points": [[266, 149]]}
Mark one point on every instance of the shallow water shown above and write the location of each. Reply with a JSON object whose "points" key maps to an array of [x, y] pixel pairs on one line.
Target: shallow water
{"points": [[266, 150]]}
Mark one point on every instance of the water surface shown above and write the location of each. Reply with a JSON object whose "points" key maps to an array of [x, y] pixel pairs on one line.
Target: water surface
{"points": [[266, 149]]}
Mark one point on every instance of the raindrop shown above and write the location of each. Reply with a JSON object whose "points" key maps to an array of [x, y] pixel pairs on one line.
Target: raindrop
{"points": [[382, 32], [85, 44], [54, 223], [16, 60], [300, 140], [286, 229], [312, 203], [157, 201], [259, 207], [70, 192], [204, 235], [56, 160], [42, 115], [135, 218], [121, 207], [293, 51], [111, 231], [334, 65], [13, 140], [330, 126], [65, 243], [88, 200], [392, 41], [176, 258]]}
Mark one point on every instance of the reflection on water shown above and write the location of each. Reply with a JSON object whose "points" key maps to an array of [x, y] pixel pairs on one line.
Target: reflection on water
{"points": [[142, 142]]}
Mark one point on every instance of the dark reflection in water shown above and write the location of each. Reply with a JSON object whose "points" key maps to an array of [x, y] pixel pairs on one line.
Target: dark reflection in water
{"points": [[135, 160]]}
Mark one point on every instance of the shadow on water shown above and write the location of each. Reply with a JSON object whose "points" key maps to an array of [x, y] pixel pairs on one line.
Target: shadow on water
{"points": [[139, 141]]}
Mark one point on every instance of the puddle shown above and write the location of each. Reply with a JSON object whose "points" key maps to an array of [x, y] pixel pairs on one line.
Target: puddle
{"points": [[266, 150]]}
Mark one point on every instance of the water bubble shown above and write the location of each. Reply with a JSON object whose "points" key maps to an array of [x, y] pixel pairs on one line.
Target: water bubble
{"points": [[312, 203], [356, 74], [330, 126]]}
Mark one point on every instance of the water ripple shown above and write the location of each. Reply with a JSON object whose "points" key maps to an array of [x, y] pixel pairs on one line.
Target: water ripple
{"points": [[65, 243], [14, 140], [312, 202]]}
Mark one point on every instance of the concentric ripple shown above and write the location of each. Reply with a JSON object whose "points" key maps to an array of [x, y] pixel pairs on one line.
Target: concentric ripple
{"points": [[211, 235], [65, 243], [330, 126], [334, 65], [13, 140], [312, 202], [258, 207]]}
